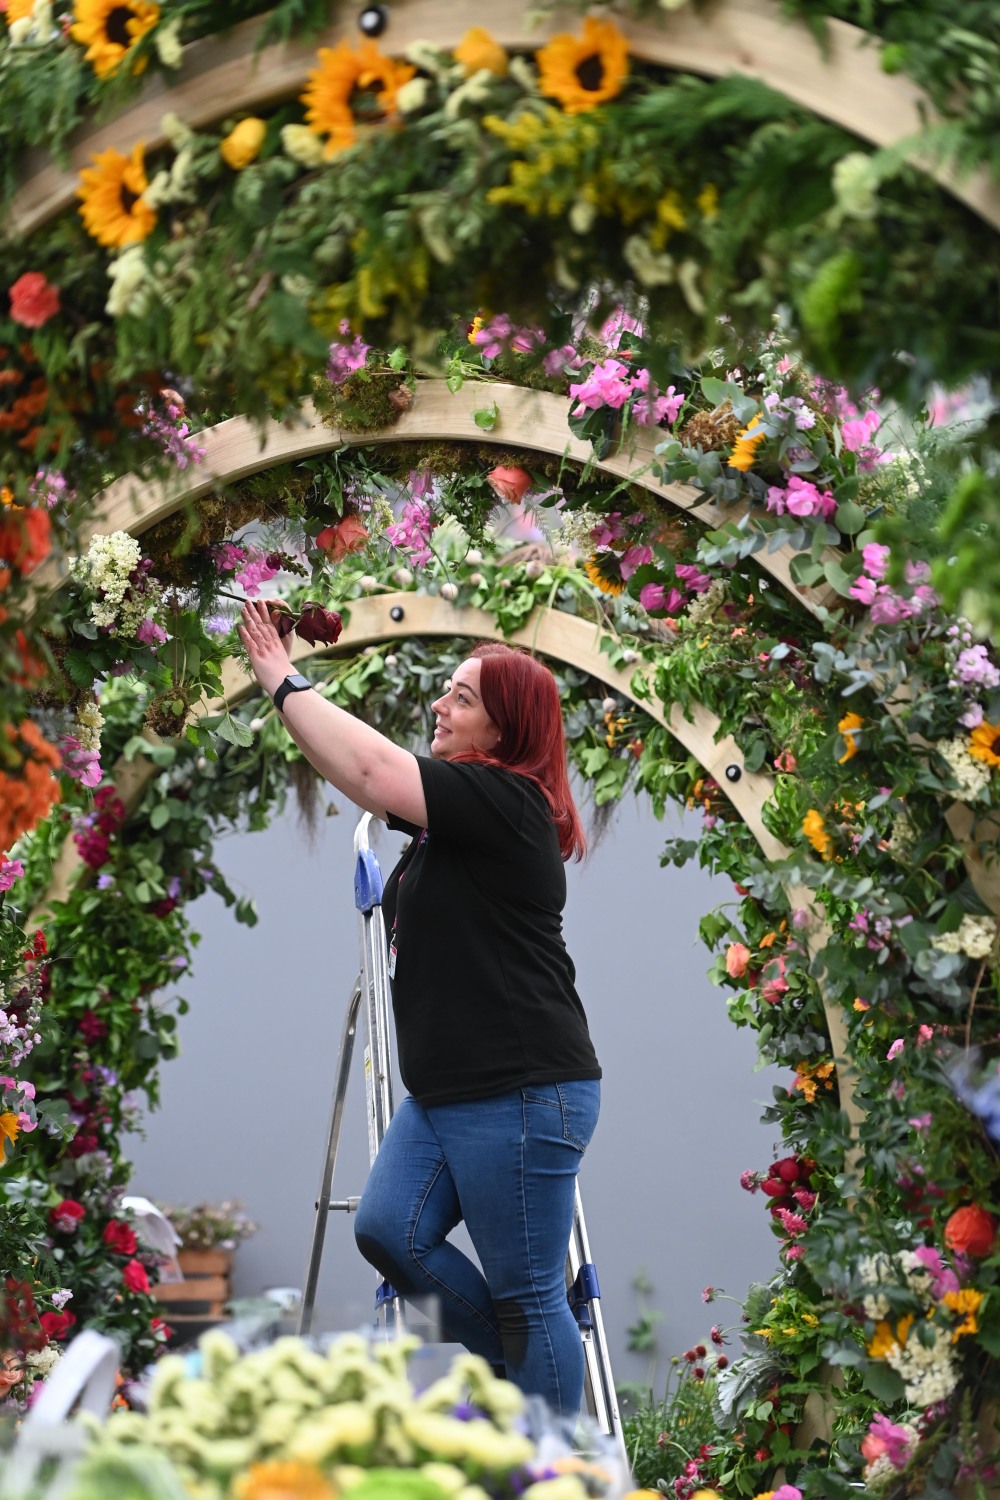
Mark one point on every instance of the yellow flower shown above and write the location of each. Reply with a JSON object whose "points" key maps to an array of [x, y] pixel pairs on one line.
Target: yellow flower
{"points": [[883, 1340], [242, 145], [6, 496], [845, 725], [10, 1127], [608, 583], [112, 207], [966, 1304], [283, 1481], [109, 29], [743, 449], [18, 10], [477, 51], [768, 940], [476, 325], [583, 71], [985, 744], [351, 84], [860, 1004], [708, 200], [814, 829]]}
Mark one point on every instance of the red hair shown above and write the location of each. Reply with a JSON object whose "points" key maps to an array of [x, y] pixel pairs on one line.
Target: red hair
{"points": [[521, 697]]}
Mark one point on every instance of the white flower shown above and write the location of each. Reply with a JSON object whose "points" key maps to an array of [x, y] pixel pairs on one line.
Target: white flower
{"points": [[322, 1436], [855, 185], [89, 722], [449, 591], [34, 30], [412, 96], [706, 606], [299, 142], [168, 43], [972, 775], [41, 1362], [175, 130], [975, 938], [477, 1442], [651, 268], [130, 278]]}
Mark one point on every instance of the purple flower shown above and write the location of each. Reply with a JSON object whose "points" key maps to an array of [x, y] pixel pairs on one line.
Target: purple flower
{"points": [[412, 532], [692, 578], [104, 881], [149, 633], [974, 666], [346, 358]]}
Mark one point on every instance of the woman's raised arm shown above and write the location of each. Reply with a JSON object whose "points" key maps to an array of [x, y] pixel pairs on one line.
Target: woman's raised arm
{"points": [[376, 774]]}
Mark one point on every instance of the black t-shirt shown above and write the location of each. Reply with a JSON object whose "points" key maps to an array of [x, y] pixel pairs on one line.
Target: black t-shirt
{"points": [[483, 992]]}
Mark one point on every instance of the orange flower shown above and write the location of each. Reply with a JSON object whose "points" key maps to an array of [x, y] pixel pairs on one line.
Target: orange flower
{"points": [[884, 1340], [283, 1481], [966, 1304], [27, 794], [845, 725], [349, 535], [984, 743], [351, 85], [971, 1230], [109, 29], [742, 455], [10, 1127], [112, 207], [581, 72], [25, 537], [478, 51], [814, 829]]}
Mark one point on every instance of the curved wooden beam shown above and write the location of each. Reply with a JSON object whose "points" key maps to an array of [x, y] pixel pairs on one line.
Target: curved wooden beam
{"points": [[224, 75], [530, 419]]}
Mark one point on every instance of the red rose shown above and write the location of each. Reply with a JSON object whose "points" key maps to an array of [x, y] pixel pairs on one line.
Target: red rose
{"points": [[119, 1238], [510, 485], [55, 1325], [33, 300], [280, 617], [318, 624], [67, 1215], [135, 1278], [160, 1330], [349, 535], [971, 1230]]}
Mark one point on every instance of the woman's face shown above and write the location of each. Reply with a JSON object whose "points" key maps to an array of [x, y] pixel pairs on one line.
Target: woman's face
{"points": [[462, 721]]}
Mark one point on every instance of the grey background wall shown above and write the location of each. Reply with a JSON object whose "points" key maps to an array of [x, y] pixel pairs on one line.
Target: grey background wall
{"points": [[245, 1108]]}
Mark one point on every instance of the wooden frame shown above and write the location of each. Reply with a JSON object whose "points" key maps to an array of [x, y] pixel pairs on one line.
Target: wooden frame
{"points": [[225, 75]]}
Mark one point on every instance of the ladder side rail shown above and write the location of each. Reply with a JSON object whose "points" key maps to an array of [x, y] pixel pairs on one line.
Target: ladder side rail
{"points": [[333, 1142], [604, 1398]]}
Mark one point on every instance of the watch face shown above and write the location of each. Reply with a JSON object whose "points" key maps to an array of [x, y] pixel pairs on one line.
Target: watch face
{"points": [[296, 680]]}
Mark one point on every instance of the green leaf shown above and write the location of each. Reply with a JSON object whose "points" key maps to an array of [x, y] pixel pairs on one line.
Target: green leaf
{"points": [[883, 1382], [803, 570], [486, 417], [160, 815], [232, 731], [78, 669], [849, 518], [837, 578]]}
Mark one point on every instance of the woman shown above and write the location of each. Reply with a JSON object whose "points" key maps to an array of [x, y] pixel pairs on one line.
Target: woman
{"points": [[492, 1039]]}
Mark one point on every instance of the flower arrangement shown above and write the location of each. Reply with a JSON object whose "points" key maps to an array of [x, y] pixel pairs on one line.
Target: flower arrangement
{"points": [[291, 1421], [210, 1226]]}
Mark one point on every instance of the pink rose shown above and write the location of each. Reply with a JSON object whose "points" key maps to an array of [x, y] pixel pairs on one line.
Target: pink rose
{"points": [[737, 960]]}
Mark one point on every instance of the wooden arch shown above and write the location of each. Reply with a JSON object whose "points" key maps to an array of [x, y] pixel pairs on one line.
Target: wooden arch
{"points": [[224, 75]]}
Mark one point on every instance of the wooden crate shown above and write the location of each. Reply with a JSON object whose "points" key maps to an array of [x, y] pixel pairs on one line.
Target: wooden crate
{"points": [[206, 1287]]}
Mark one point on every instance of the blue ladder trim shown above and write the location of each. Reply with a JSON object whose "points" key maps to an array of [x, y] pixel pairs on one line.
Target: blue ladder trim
{"points": [[583, 1291], [367, 882], [386, 1293]]}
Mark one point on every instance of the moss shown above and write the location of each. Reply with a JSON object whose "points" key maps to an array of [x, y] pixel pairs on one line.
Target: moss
{"points": [[368, 401]]}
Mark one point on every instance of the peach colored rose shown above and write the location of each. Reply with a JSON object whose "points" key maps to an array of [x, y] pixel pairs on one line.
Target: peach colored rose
{"points": [[509, 484], [348, 535], [737, 959]]}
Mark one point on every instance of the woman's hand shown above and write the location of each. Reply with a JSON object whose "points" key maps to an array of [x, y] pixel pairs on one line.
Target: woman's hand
{"points": [[269, 654]]}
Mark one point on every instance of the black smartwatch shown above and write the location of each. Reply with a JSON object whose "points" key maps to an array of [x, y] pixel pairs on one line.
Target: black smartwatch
{"points": [[293, 683]]}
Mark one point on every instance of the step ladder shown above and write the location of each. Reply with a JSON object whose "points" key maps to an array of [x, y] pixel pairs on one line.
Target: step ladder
{"points": [[371, 994]]}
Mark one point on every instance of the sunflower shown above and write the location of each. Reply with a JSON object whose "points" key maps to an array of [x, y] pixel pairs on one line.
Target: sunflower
{"points": [[985, 743], [18, 10], [277, 1480], [351, 84], [110, 29], [743, 450], [848, 723], [583, 71], [112, 207], [478, 51], [602, 570]]}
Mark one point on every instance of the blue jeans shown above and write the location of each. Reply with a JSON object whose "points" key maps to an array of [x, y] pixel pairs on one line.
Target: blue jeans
{"points": [[507, 1165]]}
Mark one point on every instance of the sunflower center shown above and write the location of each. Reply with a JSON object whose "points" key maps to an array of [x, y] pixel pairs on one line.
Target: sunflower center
{"points": [[364, 100], [116, 26], [590, 72], [128, 199], [995, 746]]}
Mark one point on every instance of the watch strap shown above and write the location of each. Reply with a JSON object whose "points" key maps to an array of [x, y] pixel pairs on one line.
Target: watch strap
{"points": [[293, 683]]}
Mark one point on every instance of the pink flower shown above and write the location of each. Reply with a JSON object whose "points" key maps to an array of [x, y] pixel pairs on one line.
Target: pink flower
{"points": [[859, 431], [794, 1223], [412, 532], [346, 358], [793, 1252], [693, 579], [924, 1035], [635, 557], [785, 761], [863, 590], [876, 559], [887, 1439], [606, 385], [654, 597], [651, 408], [509, 485], [775, 985], [82, 765], [943, 1278], [149, 633], [804, 1198], [33, 300], [804, 499], [10, 870], [708, 1294], [737, 960], [895, 1049], [749, 1181], [786, 1492]]}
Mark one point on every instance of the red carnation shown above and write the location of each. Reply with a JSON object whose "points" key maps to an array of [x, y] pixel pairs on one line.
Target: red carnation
{"points": [[318, 624], [971, 1231], [119, 1238], [56, 1325], [134, 1276], [67, 1215], [33, 300]]}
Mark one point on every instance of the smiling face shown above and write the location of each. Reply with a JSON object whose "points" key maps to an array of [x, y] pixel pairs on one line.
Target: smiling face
{"points": [[462, 721]]}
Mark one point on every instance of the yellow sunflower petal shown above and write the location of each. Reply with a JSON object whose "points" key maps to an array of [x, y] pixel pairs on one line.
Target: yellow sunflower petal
{"points": [[984, 743], [582, 72], [109, 29], [112, 207], [351, 84], [477, 51]]}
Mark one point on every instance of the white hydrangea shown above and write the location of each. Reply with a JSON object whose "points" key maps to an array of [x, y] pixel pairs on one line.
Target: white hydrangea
{"points": [[902, 835], [106, 568], [903, 1269], [975, 938], [704, 607], [41, 1362], [302, 145], [929, 1371], [574, 529], [972, 775], [131, 283]]}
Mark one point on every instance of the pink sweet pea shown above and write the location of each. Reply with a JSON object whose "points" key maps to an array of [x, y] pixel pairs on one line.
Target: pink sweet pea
{"points": [[895, 1049], [886, 1439], [606, 385], [635, 557], [10, 870], [876, 559], [863, 590], [654, 597], [858, 432], [943, 1278]]}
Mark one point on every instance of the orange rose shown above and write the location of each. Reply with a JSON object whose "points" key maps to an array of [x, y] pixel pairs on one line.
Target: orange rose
{"points": [[33, 300], [971, 1231], [509, 484], [349, 535]]}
